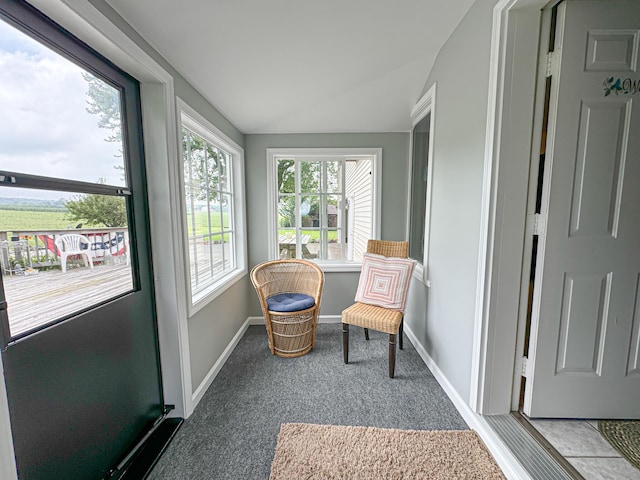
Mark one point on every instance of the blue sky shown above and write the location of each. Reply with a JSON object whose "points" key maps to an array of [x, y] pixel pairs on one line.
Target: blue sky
{"points": [[44, 126]]}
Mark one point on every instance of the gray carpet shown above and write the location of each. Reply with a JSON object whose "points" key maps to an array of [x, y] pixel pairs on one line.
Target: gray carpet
{"points": [[232, 433]]}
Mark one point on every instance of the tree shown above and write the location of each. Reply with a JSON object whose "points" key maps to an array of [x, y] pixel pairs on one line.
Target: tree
{"points": [[205, 168], [95, 209], [104, 101], [286, 184], [310, 183]]}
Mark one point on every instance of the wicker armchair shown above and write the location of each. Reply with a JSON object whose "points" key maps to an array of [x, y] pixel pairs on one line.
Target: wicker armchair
{"points": [[290, 333], [374, 317]]}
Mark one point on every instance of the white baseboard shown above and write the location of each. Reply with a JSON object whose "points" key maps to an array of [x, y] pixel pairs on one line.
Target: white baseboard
{"points": [[507, 462], [211, 375], [330, 319], [321, 319]]}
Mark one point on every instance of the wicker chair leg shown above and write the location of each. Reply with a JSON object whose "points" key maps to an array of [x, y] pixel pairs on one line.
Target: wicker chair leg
{"points": [[401, 333], [392, 354], [366, 334], [345, 342]]}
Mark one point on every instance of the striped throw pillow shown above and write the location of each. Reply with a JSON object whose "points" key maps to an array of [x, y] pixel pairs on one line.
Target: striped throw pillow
{"points": [[384, 281]]}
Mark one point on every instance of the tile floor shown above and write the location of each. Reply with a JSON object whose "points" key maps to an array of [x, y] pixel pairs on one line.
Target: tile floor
{"points": [[580, 442]]}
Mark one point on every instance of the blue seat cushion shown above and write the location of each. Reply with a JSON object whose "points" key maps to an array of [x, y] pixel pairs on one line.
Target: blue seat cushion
{"points": [[289, 302]]}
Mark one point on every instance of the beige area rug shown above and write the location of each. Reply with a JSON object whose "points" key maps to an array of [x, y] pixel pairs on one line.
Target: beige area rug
{"points": [[306, 451]]}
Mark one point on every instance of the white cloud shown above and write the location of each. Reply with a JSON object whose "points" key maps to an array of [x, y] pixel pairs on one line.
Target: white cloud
{"points": [[44, 126]]}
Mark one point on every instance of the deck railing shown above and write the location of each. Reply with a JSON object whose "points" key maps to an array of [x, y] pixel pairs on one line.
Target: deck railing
{"points": [[36, 249]]}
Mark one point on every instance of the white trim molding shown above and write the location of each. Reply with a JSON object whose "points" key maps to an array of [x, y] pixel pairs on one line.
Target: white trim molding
{"points": [[501, 453], [510, 114], [215, 369], [161, 136], [424, 105]]}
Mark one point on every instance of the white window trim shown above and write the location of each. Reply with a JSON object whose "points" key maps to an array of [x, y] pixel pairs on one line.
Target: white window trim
{"points": [[272, 194], [195, 122], [424, 107]]}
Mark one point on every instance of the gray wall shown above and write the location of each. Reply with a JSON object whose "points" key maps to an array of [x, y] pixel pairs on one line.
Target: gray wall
{"points": [[212, 328], [340, 288], [461, 73]]}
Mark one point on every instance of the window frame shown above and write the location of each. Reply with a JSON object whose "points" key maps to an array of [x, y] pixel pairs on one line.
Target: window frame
{"points": [[425, 106], [273, 154], [196, 123]]}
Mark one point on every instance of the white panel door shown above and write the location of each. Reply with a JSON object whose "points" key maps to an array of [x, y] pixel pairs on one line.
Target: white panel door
{"points": [[585, 345]]}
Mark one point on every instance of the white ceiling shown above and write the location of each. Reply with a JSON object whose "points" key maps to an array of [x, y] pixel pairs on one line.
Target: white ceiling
{"points": [[284, 66]]}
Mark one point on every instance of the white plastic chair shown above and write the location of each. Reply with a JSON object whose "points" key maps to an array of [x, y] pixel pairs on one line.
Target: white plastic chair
{"points": [[71, 244]]}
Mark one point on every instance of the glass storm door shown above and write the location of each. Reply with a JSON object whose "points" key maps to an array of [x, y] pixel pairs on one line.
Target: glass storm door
{"points": [[77, 322]]}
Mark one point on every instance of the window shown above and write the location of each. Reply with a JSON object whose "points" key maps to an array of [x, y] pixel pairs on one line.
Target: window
{"points": [[212, 179], [420, 199], [419, 178], [69, 137], [324, 204]]}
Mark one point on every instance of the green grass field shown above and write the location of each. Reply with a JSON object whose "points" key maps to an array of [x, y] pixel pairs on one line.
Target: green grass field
{"points": [[20, 220], [200, 222], [314, 234]]}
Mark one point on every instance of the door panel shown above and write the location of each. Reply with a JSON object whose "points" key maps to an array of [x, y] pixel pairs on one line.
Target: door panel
{"points": [[612, 49], [81, 391], [597, 190], [83, 381], [584, 342], [585, 300]]}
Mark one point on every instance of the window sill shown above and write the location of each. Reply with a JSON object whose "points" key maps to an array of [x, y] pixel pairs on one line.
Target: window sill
{"points": [[204, 298], [418, 274]]}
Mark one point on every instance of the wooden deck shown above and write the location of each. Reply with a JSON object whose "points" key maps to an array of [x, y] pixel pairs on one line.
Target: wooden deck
{"points": [[35, 300], [48, 295]]}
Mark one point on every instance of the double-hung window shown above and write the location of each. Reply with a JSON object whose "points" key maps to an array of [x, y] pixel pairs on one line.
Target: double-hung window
{"points": [[324, 204], [212, 183]]}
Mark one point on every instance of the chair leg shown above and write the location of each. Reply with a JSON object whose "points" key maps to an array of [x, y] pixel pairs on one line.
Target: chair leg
{"points": [[86, 260], [392, 354], [345, 342], [366, 334], [401, 333]]}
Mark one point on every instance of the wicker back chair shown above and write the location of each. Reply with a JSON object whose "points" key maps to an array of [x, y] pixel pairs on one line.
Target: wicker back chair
{"points": [[388, 248], [374, 317], [291, 334]]}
